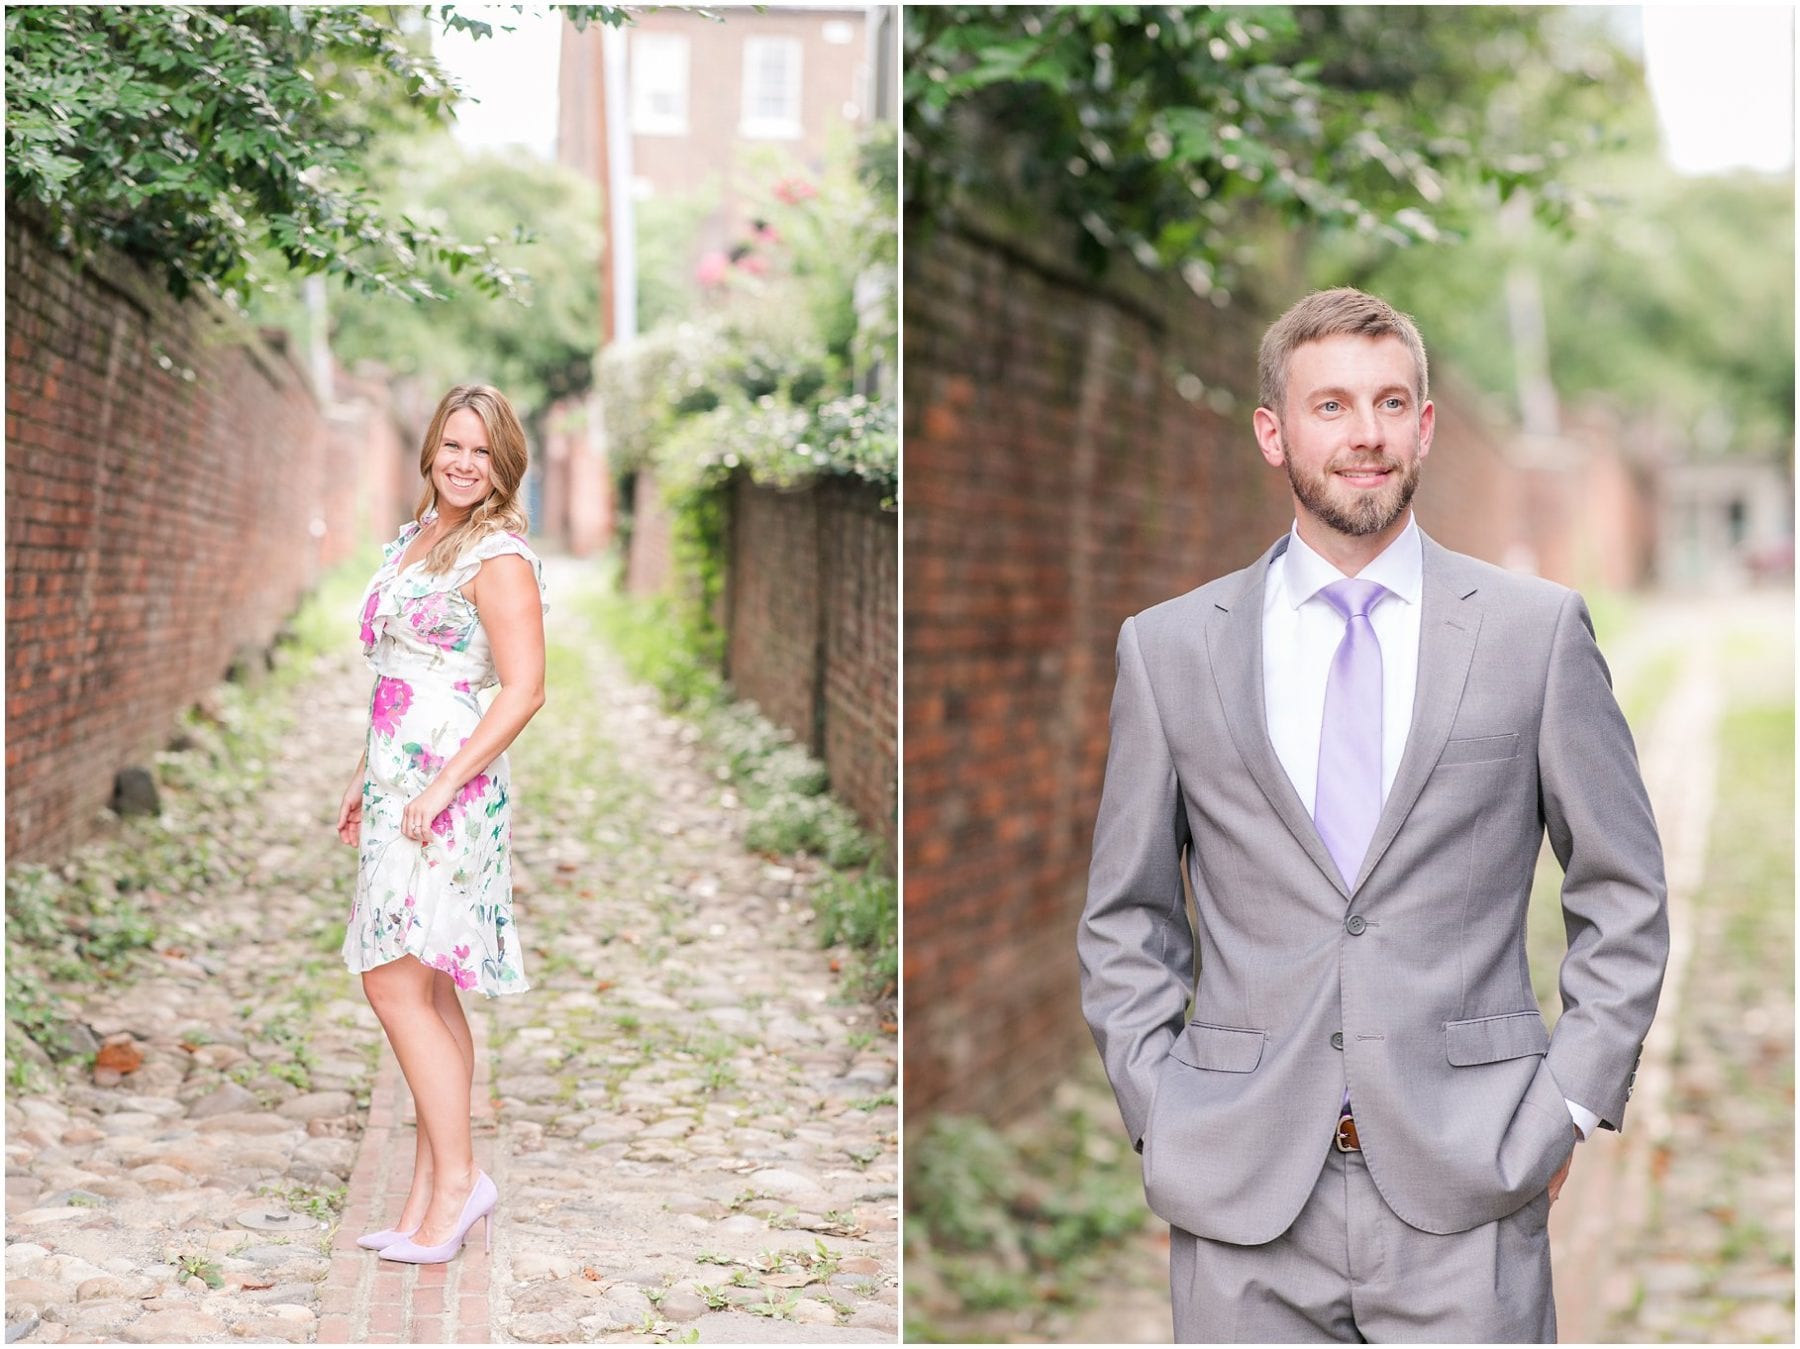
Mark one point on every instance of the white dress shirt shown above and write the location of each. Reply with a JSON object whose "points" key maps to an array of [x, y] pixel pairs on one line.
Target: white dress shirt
{"points": [[1301, 632]]}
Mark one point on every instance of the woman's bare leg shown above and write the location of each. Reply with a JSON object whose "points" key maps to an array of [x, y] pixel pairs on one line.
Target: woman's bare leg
{"points": [[437, 1069], [449, 1008]]}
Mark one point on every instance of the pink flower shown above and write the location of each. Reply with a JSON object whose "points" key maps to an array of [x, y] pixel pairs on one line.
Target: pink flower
{"points": [[793, 191], [471, 791], [428, 611], [462, 686], [392, 698], [464, 976], [712, 268], [460, 952], [442, 824], [754, 263], [368, 617]]}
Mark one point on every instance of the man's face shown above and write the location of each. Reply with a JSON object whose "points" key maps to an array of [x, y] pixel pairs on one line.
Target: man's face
{"points": [[1352, 434]]}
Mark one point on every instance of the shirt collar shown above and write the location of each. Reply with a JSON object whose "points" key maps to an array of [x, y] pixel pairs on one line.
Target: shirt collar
{"points": [[1400, 567]]}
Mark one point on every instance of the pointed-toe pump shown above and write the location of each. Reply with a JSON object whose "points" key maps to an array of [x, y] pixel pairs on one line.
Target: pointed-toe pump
{"points": [[479, 1205], [375, 1241]]}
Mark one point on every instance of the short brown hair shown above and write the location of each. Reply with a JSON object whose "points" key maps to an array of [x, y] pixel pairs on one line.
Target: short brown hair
{"points": [[1331, 313]]}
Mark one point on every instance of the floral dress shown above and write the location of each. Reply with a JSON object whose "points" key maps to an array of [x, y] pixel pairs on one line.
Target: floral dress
{"points": [[447, 900]]}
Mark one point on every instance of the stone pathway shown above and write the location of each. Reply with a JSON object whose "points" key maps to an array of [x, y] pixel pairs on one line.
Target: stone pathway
{"points": [[1681, 1228], [692, 1136]]}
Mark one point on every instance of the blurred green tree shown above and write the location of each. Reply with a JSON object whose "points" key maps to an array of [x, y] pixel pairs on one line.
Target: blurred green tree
{"points": [[1194, 136], [538, 350], [188, 136]]}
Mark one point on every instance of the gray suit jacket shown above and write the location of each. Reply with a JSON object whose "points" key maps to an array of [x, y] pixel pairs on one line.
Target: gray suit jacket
{"points": [[1411, 986]]}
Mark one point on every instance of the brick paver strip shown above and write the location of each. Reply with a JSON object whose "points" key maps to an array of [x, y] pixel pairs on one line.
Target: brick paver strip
{"points": [[366, 1300]]}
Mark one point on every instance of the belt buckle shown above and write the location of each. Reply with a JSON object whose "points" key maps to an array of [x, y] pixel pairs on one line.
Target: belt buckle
{"points": [[1346, 1138]]}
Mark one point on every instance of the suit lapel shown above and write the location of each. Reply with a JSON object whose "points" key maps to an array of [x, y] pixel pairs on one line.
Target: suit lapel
{"points": [[1449, 621], [1234, 649]]}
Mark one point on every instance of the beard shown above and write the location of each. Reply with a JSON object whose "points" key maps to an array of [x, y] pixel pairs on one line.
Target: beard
{"points": [[1363, 512]]}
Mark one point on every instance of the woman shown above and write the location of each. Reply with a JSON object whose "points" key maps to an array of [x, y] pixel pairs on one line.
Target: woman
{"points": [[455, 606]]}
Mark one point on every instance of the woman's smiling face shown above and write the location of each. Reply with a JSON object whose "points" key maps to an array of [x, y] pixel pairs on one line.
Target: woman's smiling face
{"points": [[459, 470]]}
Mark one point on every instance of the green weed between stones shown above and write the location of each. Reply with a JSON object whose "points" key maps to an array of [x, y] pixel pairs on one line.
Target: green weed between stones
{"points": [[83, 921], [200, 1267], [1011, 1222], [324, 1202]]}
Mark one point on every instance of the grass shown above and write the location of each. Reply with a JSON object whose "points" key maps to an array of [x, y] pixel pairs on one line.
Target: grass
{"points": [[1015, 1221], [1750, 862]]}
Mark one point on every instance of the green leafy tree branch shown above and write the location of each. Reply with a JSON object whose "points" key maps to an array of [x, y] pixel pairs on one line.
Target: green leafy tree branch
{"points": [[1175, 135], [190, 137]]}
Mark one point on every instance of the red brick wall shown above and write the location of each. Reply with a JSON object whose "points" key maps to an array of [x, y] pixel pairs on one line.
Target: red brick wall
{"points": [[860, 550], [171, 490], [649, 559], [1470, 497], [1059, 475], [812, 634], [773, 653]]}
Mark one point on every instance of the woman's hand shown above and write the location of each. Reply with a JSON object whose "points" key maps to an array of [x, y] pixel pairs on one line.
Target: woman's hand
{"points": [[349, 821], [415, 820]]}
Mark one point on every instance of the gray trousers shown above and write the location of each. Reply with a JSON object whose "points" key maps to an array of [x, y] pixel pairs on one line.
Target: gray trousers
{"points": [[1349, 1270]]}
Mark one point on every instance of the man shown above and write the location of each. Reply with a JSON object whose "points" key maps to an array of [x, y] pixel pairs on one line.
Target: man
{"points": [[1359, 742]]}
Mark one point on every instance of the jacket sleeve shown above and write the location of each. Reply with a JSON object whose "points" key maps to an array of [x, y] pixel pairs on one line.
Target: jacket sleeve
{"points": [[1614, 899], [1135, 945]]}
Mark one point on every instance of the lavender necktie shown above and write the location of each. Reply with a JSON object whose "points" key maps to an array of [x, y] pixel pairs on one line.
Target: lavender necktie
{"points": [[1349, 789]]}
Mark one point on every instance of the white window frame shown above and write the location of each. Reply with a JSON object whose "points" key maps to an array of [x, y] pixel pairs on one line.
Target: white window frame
{"points": [[654, 58], [757, 123]]}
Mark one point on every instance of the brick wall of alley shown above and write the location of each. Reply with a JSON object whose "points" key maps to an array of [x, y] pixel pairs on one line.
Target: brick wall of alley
{"points": [[809, 611], [813, 637], [1075, 451], [172, 490]]}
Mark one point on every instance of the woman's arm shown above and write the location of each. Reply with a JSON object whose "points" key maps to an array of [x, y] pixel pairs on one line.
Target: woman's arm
{"points": [[349, 821], [507, 595]]}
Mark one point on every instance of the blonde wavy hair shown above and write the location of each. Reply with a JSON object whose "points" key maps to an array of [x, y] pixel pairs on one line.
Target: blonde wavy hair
{"points": [[507, 462]]}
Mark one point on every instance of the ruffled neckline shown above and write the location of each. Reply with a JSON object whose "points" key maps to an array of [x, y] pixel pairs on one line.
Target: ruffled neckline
{"points": [[393, 585]]}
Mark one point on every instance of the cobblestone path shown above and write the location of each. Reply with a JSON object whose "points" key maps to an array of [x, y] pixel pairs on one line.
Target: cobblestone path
{"points": [[691, 1134], [1682, 1228]]}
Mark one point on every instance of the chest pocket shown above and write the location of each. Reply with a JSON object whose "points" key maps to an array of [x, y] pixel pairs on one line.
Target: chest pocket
{"points": [[1479, 749]]}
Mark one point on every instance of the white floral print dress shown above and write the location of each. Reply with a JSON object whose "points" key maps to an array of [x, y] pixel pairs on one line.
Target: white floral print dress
{"points": [[448, 900]]}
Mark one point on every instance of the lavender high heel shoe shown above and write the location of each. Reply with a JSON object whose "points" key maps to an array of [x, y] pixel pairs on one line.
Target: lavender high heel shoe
{"points": [[479, 1204], [375, 1241]]}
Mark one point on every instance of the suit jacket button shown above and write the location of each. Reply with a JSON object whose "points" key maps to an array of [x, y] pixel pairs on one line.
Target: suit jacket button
{"points": [[1355, 924], [1337, 1039]]}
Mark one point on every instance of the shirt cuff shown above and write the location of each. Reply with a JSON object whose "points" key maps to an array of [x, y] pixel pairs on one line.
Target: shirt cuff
{"points": [[1585, 1120]]}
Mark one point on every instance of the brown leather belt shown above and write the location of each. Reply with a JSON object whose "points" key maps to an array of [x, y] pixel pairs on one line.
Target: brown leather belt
{"points": [[1346, 1134]]}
